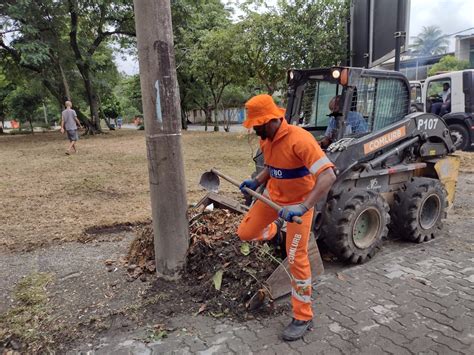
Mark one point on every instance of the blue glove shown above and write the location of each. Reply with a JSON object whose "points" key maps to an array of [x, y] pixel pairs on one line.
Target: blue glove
{"points": [[288, 212], [252, 184]]}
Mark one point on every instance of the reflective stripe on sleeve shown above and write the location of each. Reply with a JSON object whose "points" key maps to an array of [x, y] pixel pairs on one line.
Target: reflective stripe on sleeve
{"points": [[266, 232], [319, 164]]}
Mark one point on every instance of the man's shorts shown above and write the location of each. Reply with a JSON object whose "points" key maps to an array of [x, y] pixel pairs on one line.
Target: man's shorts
{"points": [[72, 135]]}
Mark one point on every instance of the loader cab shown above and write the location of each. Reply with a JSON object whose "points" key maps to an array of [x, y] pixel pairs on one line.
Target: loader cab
{"points": [[369, 100], [460, 114]]}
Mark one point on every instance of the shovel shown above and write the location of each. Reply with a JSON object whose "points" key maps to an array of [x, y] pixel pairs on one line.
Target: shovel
{"points": [[210, 181]]}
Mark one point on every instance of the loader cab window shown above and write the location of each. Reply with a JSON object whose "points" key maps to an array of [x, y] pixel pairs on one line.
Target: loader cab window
{"points": [[391, 104], [375, 103], [314, 107]]}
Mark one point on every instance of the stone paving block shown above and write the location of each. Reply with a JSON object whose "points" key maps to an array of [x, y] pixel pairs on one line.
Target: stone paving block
{"points": [[461, 284], [420, 344], [321, 347], [195, 343], [343, 332], [238, 346], [432, 306], [246, 335], [215, 349], [343, 309], [167, 349], [268, 351], [389, 346], [466, 297], [445, 302], [337, 317], [452, 343], [126, 348], [166, 346], [395, 337], [438, 317], [451, 332], [316, 334], [344, 346]]}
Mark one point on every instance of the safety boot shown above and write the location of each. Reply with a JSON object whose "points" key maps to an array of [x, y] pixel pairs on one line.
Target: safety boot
{"points": [[296, 329]]}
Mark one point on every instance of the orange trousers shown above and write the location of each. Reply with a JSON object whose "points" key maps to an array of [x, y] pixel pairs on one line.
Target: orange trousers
{"points": [[258, 225]]}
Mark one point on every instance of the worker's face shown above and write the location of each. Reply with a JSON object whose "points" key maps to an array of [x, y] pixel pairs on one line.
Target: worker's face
{"points": [[268, 130], [445, 87], [261, 131]]}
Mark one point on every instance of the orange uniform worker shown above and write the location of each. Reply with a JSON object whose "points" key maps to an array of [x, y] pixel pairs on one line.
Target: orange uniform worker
{"points": [[298, 175]]}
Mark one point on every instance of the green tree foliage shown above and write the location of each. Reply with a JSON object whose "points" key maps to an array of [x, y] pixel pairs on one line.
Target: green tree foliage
{"points": [[430, 41], [22, 103], [448, 63], [129, 96], [192, 21], [5, 88], [296, 34], [218, 62]]}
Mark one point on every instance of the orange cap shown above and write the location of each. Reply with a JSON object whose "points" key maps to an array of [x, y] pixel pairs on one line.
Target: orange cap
{"points": [[260, 110]]}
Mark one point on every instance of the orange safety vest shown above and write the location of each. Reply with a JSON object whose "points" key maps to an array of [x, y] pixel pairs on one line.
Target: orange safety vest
{"points": [[294, 159]]}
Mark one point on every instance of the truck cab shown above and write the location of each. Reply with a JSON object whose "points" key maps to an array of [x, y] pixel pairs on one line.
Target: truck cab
{"points": [[416, 92], [460, 116]]}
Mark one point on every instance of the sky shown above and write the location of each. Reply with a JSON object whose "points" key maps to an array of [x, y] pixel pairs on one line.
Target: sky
{"points": [[450, 15]]}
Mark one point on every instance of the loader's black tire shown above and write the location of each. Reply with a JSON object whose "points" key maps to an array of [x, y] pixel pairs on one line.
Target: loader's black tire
{"points": [[355, 224], [418, 209], [460, 136]]}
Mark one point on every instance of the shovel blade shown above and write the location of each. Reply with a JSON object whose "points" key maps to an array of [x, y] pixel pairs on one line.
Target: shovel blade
{"points": [[279, 283], [210, 181]]}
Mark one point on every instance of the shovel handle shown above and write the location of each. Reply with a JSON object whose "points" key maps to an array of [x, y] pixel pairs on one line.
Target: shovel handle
{"points": [[258, 196]]}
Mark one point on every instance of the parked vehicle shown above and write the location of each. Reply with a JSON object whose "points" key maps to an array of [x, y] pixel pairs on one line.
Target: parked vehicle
{"points": [[460, 117]]}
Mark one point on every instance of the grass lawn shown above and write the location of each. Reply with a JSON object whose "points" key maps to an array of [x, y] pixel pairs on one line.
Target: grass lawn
{"points": [[49, 197]]}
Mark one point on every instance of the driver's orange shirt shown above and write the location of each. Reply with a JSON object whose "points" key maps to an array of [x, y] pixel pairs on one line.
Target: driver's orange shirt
{"points": [[294, 159]]}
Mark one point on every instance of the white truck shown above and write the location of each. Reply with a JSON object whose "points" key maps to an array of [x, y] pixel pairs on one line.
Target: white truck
{"points": [[460, 117]]}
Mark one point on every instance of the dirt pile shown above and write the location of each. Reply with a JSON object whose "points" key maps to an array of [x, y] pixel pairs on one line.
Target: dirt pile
{"points": [[467, 162], [221, 272]]}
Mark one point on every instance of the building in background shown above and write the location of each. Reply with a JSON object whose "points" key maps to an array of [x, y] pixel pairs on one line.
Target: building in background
{"points": [[415, 68], [464, 48]]}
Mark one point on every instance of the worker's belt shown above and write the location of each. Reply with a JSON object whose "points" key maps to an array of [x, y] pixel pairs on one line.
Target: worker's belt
{"points": [[278, 173]]}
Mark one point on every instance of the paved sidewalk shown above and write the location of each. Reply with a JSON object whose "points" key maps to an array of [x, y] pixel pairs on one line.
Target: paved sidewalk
{"points": [[411, 299]]}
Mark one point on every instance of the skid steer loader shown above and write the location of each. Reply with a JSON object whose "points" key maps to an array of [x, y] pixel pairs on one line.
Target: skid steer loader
{"points": [[399, 175]]}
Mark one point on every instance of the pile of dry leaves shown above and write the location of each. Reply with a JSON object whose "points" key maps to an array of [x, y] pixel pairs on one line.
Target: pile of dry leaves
{"points": [[221, 272]]}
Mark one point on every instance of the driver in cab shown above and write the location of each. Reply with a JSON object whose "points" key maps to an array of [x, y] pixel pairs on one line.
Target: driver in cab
{"points": [[355, 122]]}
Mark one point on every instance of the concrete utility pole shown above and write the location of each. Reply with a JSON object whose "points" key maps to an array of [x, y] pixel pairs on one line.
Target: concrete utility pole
{"points": [[161, 106]]}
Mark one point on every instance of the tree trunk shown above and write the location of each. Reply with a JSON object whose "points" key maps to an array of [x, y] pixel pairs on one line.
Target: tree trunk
{"points": [[31, 124], [45, 114], [184, 118], [3, 124], [91, 97], [65, 83], [103, 117], [207, 116], [216, 122], [227, 116], [83, 66]]}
